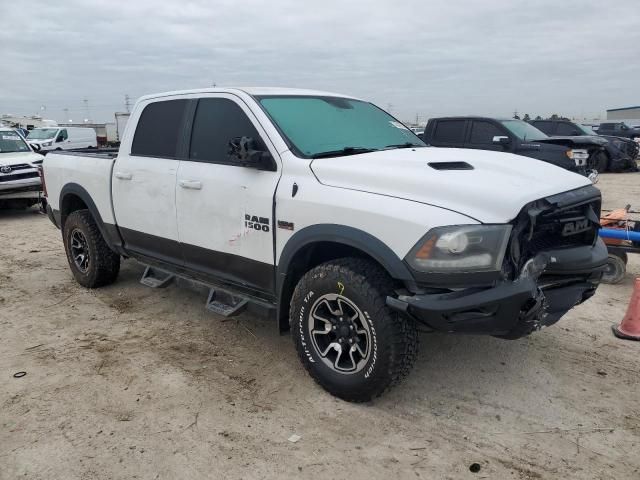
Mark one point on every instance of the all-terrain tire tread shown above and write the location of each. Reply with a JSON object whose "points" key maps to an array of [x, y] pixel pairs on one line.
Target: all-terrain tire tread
{"points": [[106, 263], [375, 284]]}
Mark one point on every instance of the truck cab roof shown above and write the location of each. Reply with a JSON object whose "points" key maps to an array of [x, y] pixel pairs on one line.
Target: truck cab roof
{"points": [[252, 91]]}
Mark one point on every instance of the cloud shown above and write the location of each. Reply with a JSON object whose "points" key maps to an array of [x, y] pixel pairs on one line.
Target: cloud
{"points": [[427, 58]]}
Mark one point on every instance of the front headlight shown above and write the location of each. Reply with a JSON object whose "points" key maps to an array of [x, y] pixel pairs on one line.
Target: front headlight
{"points": [[47, 144], [461, 248], [579, 156]]}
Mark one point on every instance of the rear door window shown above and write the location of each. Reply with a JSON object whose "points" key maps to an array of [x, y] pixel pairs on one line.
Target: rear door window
{"points": [[566, 128], [482, 132], [449, 131], [159, 129], [216, 123], [546, 127]]}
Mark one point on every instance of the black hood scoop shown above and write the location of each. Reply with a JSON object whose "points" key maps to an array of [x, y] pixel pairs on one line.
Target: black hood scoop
{"points": [[450, 166]]}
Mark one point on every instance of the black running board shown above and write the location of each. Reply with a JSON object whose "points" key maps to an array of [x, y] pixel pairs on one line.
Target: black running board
{"points": [[222, 301], [225, 303], [156, 278]]}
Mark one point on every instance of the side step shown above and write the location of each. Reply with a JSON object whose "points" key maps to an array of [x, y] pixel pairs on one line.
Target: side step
{"points": [[156, 278], [224, 303]]}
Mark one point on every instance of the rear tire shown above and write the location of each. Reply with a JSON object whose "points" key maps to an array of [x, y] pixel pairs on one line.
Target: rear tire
{"points": [[349, 341], [91, 261]]}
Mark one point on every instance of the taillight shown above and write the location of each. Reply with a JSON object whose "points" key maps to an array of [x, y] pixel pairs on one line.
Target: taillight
{"points": [[44, 184]]}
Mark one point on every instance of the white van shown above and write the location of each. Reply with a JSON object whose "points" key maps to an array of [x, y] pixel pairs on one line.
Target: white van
{"points": [[63, 138]]}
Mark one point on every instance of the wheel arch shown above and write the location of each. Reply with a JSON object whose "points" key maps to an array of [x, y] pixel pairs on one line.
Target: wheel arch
{"points": [[74, 197], [317, 244]]}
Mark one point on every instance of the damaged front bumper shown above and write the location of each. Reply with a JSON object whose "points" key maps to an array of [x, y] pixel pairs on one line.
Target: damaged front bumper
{"points": [[549, 285]]}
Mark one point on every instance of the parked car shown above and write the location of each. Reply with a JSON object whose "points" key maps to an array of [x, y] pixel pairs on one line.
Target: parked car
{"points": [[63, 138], [619, 153], [515, 136], [619, 129], [20, 183], [334, 215]]}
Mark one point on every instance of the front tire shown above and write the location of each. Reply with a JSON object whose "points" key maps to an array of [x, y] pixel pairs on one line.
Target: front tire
{"points": [[349, 341], [91, 261], [601, 162], [615, 269]]}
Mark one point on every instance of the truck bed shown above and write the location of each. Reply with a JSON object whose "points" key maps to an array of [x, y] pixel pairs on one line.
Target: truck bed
{"points": [[88, 170]]}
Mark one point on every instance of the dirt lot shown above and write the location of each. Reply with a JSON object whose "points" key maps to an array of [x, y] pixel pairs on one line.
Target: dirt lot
{"points": [[130, 382]]}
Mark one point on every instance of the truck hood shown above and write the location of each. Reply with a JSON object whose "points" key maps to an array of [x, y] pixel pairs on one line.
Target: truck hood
{"points": [[575, 140], [493, 191], [16, 158]]}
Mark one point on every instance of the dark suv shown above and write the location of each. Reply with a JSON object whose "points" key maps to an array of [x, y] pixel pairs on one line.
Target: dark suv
{"points": [[619, 153], [515, 136], [619, 129]]}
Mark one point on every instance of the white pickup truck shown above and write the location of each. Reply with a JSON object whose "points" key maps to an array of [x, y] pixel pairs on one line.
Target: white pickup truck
{"points": [[332, 213]]}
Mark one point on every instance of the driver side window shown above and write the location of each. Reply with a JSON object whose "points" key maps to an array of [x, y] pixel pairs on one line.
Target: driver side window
{"points": [[62, 136], [482, 132], [218, 121]]}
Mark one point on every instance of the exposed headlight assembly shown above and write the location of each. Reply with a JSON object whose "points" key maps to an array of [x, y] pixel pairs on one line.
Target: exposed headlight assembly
{"points": [[580, 156], [461, 248], [47, 144]]}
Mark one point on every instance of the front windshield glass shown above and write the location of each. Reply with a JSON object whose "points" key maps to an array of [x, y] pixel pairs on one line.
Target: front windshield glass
{"points": [[11, 142], [585, 129], [42, 133], [524, 130], [334, 126]]}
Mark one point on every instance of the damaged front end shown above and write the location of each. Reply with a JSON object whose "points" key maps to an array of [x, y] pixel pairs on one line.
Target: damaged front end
{"points": [[554, 261]]}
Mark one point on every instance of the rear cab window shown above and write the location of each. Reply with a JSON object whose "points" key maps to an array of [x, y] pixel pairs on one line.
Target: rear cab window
{"points": [[159, 129], [449, 132]]}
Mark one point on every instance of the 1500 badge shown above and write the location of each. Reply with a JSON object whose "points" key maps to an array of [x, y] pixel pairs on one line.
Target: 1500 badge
{"points": [[257, 223]]}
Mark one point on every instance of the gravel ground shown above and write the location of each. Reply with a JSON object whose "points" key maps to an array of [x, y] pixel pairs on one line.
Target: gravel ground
{"points": [[130, 382]]}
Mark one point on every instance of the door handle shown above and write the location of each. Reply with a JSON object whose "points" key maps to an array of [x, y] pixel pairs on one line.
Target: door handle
{"points": [[123, 175], [190, 184]]}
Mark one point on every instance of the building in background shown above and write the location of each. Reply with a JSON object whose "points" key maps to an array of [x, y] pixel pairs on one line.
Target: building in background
{"points": [[26, 122], [627, 113], [121, 121]]}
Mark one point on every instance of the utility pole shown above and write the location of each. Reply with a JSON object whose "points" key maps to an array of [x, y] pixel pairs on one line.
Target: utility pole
{"points": [[66, 114], [86, 108], [127, 103]]}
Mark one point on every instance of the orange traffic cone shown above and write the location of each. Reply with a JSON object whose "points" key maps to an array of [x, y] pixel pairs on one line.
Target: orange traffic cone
{"points": [[629, 328]]}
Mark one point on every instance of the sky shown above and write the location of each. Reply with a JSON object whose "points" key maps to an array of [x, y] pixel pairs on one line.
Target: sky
{"points": [[418, 59]]}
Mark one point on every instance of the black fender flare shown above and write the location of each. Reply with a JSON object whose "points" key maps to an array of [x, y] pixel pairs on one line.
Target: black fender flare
{"points": [[110, 233], [345, 235]]}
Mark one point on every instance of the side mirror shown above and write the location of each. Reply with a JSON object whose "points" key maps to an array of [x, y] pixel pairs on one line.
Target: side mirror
{"points": [[576, 133], [501, 140], [59, 139], [36, 147], [245, 151]]}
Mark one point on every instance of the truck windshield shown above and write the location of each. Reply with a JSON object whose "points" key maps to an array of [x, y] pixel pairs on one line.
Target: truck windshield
{"points": [[585, 129], [524, 130], [42, 133], [317, 126], [11, 142]]}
